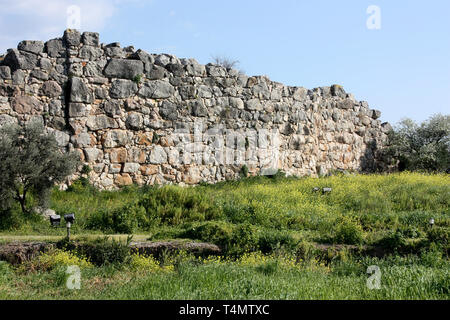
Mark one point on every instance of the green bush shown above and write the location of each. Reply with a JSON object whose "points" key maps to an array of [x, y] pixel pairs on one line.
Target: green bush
{"points": [[106, 252], [411, 232], [81, 185], [439, 235], [244, 237], [244, 171], [347, 231], [9, 219], [393, 240], [126, 220], [239, 213], [175, 205], [271, 240], [217, 232]]}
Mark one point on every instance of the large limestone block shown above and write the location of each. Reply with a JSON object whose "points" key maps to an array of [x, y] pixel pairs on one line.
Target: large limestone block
{"points": [[124, 68]]}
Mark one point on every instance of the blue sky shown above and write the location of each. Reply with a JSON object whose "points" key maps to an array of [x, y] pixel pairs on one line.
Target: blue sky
{"points": [[402, 69]]}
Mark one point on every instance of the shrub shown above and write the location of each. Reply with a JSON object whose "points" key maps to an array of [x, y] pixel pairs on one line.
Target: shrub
{"points": [[107, 252], [175, 205], [225, 62], [272, 240], [244, 171], [244, 237], [439, 235], [393, 240], [347, 231], [141, 262], [233, 239], [124, 220], [9, 219], [56, 258], [33, 162], [217, 232], [279, 175], [137, 79], [411, 232], [81, 185], [237, 212]]}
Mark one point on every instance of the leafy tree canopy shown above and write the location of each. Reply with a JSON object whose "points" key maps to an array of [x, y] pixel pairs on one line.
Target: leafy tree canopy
{"points": [[31, 162]]}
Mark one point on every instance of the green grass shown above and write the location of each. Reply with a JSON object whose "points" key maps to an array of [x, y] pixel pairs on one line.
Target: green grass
{"points": [[404, 278], [376, 203], [272, 215]]}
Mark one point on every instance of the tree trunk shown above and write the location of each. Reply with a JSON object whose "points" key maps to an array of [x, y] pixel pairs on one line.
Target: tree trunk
{"points": [[22, 200]]}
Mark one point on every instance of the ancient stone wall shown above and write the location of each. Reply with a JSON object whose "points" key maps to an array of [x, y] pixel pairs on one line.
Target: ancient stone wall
{"points": [[146, 118]]}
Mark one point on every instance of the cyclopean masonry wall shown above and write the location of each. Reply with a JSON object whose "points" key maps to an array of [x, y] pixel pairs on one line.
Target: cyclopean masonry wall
{"points": [[146, 118]]}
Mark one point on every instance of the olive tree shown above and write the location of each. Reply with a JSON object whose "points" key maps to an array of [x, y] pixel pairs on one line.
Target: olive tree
{"points": [[424, 146], [31, 162]]}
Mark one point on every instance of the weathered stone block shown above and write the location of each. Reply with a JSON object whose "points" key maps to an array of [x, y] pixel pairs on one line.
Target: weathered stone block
{"points": [[346, 104], [112, 107], [376, 114], [115, 138], [5, 72], [72, 37], [158, 155], [134, 121], [90, 53], [145, 138], [82, 139], [253, 105], [123, 180], [80, 92], [149, 170], [35, 47], [61, 137], [26, 104], [93, 154], [77, 110], [124, 68], [215, 70], [156, 89], [51, 89], [16, 59], [168, 111], [118, 155], [136, 155], [122, 89], [101, 122], [131, 167], [198, 108], [90, 38], [55, 48]]}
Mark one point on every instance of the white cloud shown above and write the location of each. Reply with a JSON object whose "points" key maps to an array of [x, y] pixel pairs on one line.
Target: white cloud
{"points": [[46, 19]]}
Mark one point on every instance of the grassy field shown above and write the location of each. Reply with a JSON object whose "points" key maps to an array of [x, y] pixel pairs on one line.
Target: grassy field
{"points": [[270, 229]]}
